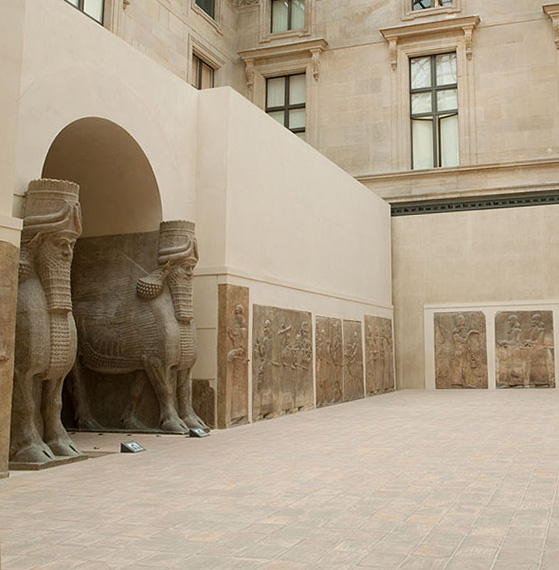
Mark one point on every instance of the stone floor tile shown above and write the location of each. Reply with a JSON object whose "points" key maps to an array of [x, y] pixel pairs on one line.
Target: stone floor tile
{"points": [[382, 560], [423, 563], [469, 564]]}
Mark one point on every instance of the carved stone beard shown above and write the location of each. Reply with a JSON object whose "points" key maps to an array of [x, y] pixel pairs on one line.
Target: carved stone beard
{"points": [[180, 285], [54, 274]]}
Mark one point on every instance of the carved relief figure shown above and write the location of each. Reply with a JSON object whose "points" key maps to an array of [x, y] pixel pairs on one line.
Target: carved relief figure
{"points": [[353, 361], [238, 336], [146, 329], [524, 349], [379, 355], [263, 347], [46, 339], [282, 355], [329, 361], [460, 350], [232, 384]]}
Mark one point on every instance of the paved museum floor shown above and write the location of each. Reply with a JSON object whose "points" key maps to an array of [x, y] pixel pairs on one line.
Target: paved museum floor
{"points": [[411, 480]]}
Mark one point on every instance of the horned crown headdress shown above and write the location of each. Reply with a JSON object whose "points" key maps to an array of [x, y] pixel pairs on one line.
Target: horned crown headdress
{"points": [[176, 242], [51, 206]]}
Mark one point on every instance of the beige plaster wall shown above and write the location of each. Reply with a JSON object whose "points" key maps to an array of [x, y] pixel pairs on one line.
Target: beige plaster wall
{"points": [[490, 256], [73, 68], [289, 213], [277, 217]]}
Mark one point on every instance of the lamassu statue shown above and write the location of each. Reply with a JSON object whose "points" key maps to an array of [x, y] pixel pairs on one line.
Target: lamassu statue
{"points": [[46, 338], [139, 322]]}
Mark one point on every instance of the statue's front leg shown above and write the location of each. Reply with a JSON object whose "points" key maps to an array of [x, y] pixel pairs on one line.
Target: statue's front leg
{"points": [[160, 377], [82, 412], [26, 444], [55, 434], [129, 418], [184, 399]]}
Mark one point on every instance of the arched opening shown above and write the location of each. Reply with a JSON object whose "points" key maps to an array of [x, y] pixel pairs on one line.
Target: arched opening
{"points": [[118, 189], [121, 209]]}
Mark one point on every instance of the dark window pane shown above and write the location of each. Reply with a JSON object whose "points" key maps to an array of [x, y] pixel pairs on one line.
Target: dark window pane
{"points": [[208, 6], [424, 4]]}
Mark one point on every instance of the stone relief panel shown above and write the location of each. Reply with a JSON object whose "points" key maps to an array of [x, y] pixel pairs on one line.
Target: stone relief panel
{"points": [[232, 349], [460, 350], [282, 376], [524, 349], [353, 361], [329, 361], [203, 401], [379, 355]]}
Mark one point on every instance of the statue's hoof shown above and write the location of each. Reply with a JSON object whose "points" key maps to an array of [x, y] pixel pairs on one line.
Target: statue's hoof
{"points": [[174, 425], [64, 449], [194, 422], [33, 454]]}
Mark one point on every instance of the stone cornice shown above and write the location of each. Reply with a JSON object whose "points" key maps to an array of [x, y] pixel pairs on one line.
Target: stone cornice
{"points": [[533, 175], [282, 50], [552, 10], [433, 27], [463, 24]]}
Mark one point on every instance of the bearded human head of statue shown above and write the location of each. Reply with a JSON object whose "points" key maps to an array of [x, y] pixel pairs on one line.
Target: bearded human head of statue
{"points": [[176, 259], [52, 223]]}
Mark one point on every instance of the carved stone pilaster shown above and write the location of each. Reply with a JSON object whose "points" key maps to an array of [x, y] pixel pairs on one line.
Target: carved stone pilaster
{"points": [[552, 10], [468, 40], [249, 72], [393, 51], [315, 61]]}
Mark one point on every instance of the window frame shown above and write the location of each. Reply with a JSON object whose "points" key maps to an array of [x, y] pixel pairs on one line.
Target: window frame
{"points": [[435, 115], [422, 38], [287, 107], [437, 4], [408, 13], [265, 25], [289, 18], [197, 73], [80, 8]]}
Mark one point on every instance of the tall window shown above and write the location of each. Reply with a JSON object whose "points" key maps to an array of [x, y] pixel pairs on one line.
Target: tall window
{"points": [[93, 8], [208, 6], [288, 15], [202, 73], [434, 111], [423, 4], [285, 102]]}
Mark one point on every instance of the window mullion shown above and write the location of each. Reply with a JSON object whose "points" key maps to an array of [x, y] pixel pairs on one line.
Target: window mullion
{"points": [[286, 103], [289, 14]]}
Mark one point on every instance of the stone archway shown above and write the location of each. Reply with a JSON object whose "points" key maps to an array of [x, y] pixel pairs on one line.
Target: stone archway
{"points": [[121, 207], [118, 190]]}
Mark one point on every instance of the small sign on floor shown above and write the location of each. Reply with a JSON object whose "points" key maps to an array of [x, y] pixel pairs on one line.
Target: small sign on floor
{"points": [[131, 447]]}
